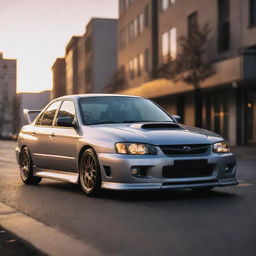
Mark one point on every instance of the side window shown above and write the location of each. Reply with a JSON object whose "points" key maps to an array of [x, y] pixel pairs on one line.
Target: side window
{"points": [[40, 118], [49, 113], [67, 109]]}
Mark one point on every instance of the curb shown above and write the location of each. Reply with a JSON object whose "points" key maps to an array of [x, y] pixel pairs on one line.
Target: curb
{"points": [[47, 239]]}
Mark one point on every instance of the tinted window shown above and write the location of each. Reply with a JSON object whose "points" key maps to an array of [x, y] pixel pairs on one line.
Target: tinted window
{"points": [[67, 109], [223, 25], [49, 113], [40, 118], [98, 110]]}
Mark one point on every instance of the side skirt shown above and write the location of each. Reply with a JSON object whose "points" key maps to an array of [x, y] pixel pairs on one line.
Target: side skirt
{"points": [[56, 175]]}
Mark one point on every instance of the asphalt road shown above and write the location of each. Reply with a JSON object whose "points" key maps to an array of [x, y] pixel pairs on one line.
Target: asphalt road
{"points": [[220, 222]]}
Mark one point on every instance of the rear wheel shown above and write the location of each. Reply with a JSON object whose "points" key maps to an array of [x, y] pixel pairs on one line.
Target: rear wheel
{"points": [[26, 168], [89, 173]]}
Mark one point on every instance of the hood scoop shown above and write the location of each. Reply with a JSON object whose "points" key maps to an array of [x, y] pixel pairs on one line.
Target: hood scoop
{"points": [[160, 125]]}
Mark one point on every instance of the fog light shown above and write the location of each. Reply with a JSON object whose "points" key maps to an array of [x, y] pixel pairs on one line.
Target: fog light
{"points": [[135, 171], [229, 168]]}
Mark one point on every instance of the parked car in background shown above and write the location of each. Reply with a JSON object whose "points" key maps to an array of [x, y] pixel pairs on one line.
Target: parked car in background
{"points": [[121, 142]]}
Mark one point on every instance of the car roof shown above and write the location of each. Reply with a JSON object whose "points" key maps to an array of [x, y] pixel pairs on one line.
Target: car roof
{"points": [[77, 96]]}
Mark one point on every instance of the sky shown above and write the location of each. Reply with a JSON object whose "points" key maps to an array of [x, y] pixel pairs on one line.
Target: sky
{"points": [[36, 32]]}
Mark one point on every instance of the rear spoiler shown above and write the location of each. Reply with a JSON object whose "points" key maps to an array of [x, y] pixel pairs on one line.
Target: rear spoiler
{"points": [[27, 114]]}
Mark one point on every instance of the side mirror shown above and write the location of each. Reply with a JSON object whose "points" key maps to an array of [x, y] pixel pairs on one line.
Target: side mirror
{"points": [[65, 122], [177, 118]]}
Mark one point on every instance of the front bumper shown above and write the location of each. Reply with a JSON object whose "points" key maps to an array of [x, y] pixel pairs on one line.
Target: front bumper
{"points": [[158, 186], [118, 175]]}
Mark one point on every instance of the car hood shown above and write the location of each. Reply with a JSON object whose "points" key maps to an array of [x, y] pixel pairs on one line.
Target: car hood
{"points": [[160, 133]]}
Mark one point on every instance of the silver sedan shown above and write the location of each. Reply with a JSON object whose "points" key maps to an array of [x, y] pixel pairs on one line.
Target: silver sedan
{"points": [[123, 143]]}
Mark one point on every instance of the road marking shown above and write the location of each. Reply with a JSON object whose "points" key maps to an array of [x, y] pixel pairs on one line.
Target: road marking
{"points": [[45, 238], [245, 184]]}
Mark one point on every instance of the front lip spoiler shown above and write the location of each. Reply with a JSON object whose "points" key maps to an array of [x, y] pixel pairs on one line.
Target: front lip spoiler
{"points": [[159, 186]]}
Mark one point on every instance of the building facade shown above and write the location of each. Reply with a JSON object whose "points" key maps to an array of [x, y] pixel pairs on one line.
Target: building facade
{"points": [[229, 95], [71, 59], [90, 60], [8, 103], [97, 58], [136, 40], [59, 78]]}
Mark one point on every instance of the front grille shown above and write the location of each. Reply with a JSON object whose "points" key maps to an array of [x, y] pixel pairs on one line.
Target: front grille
{"points": [[188, 169], [185, 150]]}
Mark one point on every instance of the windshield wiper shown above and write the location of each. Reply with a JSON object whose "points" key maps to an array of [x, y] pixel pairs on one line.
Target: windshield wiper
{"points": [[136, 121], [127, 121]]}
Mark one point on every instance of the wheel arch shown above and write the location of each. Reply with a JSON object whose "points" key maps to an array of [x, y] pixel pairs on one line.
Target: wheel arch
{"points": [[85, 147], [21, 148]]}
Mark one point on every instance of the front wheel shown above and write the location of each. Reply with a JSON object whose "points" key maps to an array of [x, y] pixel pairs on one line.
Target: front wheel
{"points": [[26, 168], [89, 173]]}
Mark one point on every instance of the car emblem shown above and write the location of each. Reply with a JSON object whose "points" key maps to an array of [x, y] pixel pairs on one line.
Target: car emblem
{"points": [[186, 149]]}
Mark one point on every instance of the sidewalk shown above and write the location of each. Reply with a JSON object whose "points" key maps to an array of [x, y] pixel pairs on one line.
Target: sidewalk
{"points": [[48, 240], [11, 245]]}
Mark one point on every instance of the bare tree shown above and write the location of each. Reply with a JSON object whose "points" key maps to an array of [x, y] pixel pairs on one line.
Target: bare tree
{"points": [[191, 65], [118, 82]]}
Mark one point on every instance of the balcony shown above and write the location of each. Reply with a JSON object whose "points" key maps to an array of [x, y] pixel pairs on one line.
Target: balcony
{"points": [[241, 68]]}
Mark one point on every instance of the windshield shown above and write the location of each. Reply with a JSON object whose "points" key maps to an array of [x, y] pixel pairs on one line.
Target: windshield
{"points": [[100, 110]]}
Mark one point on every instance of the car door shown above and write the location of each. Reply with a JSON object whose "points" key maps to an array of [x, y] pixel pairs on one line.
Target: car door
{"points": [[63, 146], [42, 133]]}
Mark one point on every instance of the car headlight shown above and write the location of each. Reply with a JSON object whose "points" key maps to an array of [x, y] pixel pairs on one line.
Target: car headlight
{"points": [[221, 147], [135, 149]]}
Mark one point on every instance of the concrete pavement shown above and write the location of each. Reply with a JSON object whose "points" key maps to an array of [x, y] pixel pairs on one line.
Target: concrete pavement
{"points": [[220, 222]]}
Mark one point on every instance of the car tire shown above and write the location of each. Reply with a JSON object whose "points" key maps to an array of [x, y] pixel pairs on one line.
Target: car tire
{"points": [[89, 173], [26, 168]]}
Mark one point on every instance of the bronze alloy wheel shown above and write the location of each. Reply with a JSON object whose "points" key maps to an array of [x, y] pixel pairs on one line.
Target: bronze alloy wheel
{"points": [[90, 178], [26, 168]]}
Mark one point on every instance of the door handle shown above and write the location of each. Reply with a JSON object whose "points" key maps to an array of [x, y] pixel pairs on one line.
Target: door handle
{"points": [[52, 136]]}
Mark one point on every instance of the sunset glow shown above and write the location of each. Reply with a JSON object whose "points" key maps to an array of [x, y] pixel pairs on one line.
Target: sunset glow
{"points": [[36, 32]]}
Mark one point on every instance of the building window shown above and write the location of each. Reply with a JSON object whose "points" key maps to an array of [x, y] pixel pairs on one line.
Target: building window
{"points": [[192, 23], [252, 13], [131, 69], [147, 60], [165, 45], [131, 31], [146, 15], [141, 64], [141, 22], [173, 43], [135, 27], [122, 39], [165, 4], [169, 45], [135, 65], [129, 2], [122, 6], [223, 25]]}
